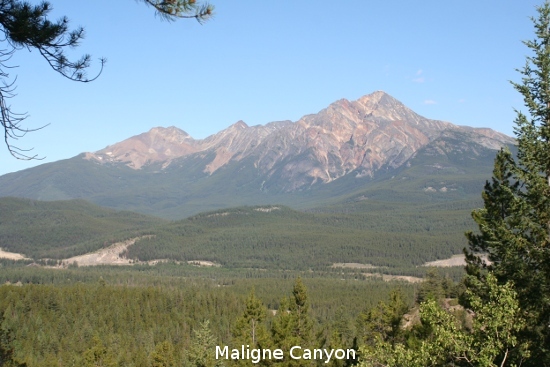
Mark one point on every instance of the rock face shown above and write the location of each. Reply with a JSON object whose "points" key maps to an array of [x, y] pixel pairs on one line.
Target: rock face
{"points": [[359, 138]]}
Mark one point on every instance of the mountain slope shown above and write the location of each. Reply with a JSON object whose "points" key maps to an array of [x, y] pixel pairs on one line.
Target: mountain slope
{"points": [[361, 137], [349, 148]]}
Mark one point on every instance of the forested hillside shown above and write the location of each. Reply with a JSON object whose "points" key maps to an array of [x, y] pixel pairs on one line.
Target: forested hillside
{"points": [[61, 229], [277, 237]]}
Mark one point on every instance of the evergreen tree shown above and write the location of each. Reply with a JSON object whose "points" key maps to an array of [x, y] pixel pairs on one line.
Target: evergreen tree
{"points": [[300, 309], [493, 340], [7, 357], [163, 355], [171, 9], [514, 225], [98, 355], [431, 287], [203, 346], [250, 327], [383, 321], [341, 337], [293, 326]]}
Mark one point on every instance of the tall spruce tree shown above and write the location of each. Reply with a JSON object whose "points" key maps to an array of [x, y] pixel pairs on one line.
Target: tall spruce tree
{"points": [[250, 328], [293, 325], [201, 351], [514, 225]]}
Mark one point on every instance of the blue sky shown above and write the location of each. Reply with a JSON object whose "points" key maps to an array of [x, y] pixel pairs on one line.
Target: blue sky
{"points": [[258, 61]]}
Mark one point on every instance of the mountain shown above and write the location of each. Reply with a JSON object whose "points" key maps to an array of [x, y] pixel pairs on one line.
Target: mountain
{"points": [[349, 149]]}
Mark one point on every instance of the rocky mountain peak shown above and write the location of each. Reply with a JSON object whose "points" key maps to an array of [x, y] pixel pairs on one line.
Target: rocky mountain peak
{"points": [[348, 137], [159, 144], [239, 125]]}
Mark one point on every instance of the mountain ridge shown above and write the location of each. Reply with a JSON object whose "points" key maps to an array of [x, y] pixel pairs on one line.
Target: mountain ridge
{"points": [[374, 147], [348, 136]]}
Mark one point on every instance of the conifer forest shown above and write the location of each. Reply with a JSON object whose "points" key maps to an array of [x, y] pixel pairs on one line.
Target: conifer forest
{"points": [[340, 285]]}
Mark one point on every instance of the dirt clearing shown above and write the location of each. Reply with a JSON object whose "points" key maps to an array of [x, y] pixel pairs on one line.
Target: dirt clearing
{"points": [[11, 255]]}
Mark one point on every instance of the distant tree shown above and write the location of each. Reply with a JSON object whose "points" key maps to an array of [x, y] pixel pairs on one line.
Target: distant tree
{"points": [[384, 320], [250, 328], [98, 355], [293, 325], [514, 224], [203, 344], [26, 26], [163, 355]]}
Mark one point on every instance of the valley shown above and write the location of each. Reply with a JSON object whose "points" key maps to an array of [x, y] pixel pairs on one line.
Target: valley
{"points": [[362, 200]]}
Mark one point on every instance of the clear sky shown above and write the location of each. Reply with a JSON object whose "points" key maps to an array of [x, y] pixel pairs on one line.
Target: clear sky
{"points": [[259, 61]]}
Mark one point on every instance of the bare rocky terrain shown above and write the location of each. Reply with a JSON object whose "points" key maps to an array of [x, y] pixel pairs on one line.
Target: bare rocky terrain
{"points": [[111, 255], [456, 260], [360, 137], [11, 255], [389, 278]]}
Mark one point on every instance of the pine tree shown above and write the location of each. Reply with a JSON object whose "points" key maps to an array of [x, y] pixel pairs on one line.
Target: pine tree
{"points": [[384, 320], [203, 345], [300, 309], [341, 337], [171, 9], [250, 328], [163, 355], [293, 325], [98, 355], [431, 287], [7, 351], [514, 225]]}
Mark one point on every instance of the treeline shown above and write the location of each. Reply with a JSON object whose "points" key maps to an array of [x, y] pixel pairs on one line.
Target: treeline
{"points": [[62, 229], [327, 289], [179, 322], [89, 324], [275, 237], [268, 237]]}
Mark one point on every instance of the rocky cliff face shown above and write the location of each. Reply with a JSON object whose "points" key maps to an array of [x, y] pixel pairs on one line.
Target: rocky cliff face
{"points": [[358, 138]]}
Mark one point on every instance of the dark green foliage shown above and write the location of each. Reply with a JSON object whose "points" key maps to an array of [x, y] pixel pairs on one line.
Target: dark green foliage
{"points": [[250, 328], [292, 326], [383, 321], [66, 228], [109, 325], [436, 286], [277, 237], [174, 9], [515, 221], [144, 315]]}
